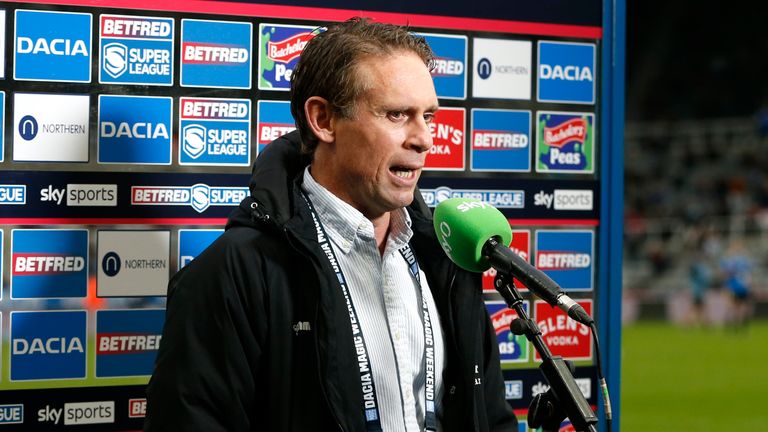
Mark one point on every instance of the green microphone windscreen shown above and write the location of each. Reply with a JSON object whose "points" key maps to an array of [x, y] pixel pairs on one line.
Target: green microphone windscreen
{"points": [[463, 225]]}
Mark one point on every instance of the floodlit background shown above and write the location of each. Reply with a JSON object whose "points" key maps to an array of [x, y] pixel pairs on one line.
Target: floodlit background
{"points": [[695, 333]]}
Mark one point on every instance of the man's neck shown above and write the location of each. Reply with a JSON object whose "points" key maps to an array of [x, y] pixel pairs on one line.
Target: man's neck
{"points": [[381, 230]]}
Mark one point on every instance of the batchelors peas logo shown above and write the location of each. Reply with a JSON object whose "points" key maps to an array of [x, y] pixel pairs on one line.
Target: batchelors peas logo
{"points": [[28, 128], [115, 59]]}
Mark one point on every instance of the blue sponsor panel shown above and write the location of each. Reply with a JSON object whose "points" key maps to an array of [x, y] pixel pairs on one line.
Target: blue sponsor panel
{"points": [[279, 49], [215, 131], [136, 50], [449, 72], [501, 140], [49, 263], [2, 279], [48, 345], [567, 257], [127, 341], [194, 241], [274, 120], [135, 129], [216, 54], [566, 72], [52, 46]]}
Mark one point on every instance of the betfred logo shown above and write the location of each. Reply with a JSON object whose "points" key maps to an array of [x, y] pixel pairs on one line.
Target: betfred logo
{"points": [[449, 72], [512, 348], [216, 54], [274, 120], [566, 72], [49, 263], [565, 142], [47, 345], [52, 46], [521, 245], [13, 194], [564, 336], [137, 408], [136, 50], [199, 196], [127, 341], [135, 129], [501, 140], [279, 49], [567, 257], [448, 133], [215, 131]]}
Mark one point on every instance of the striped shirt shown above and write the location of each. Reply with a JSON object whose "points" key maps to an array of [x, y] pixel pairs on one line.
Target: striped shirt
{"points": [[388, 306]]}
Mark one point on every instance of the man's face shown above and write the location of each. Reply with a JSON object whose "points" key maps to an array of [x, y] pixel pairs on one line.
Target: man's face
{"points": [[379, 153]]}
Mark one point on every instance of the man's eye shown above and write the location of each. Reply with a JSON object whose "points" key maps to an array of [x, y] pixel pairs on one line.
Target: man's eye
{"points": [[396, 115], [429, 117]]}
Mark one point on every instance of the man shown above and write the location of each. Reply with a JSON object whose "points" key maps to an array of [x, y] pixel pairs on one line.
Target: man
{"points": [[309, 312]]}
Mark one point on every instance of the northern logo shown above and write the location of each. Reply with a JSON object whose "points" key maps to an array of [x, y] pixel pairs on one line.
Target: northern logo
{"points": [[502, 69]]}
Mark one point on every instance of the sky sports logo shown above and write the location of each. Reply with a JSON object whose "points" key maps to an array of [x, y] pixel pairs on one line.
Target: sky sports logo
{"points": [[78, 413], [13, 194], [216, 54], [136, 50], [81, 195], [215, 131], [565, 199], [52, 46], [199, 196], [510, 199]]}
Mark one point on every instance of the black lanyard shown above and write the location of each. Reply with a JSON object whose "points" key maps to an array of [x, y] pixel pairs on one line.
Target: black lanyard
{"points": [[370, 402]]}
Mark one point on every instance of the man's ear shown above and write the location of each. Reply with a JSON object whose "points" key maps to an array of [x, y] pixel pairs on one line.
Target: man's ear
{"points": [[319, 117]]}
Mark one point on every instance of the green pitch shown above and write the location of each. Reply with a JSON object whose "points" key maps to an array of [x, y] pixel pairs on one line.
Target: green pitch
{"points": [[681, 379]]}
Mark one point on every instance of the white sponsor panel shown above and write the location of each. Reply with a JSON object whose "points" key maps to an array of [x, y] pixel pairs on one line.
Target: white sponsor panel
{"points": [[133, 263], [50, 127], [502, 69]]}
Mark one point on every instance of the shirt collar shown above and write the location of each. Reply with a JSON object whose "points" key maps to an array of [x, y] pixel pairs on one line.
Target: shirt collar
{"points": [[344, 223]]}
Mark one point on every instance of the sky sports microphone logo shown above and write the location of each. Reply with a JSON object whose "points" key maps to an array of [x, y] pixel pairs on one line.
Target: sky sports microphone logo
{"points": [[136, 50], [501, 140], [49, 263], [506, 199], [215, 131], [216, 54], [199, 196], [280, 47], [449, 72], [52, 46]]}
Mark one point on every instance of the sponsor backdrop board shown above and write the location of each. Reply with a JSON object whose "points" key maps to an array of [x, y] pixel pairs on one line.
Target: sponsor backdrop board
{"points": [[127, 135]]}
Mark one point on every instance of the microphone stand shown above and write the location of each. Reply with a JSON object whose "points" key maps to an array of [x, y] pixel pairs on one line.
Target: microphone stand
{"points": [[554, 368]]}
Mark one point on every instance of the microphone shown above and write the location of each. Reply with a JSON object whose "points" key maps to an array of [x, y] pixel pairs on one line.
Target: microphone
{"points": [[475, 235]]}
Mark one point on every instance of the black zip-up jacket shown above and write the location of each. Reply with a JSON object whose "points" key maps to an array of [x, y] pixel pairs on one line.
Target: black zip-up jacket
{"points": [[257, 335]]}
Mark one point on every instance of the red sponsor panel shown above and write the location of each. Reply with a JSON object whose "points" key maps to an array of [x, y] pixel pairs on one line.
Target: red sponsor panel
{"points": [[564, 336], [448, 136], [286, 50], [137, 408], [520, 244]]}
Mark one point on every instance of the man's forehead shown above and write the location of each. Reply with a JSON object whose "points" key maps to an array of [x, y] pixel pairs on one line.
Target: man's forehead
{"points": [[396, 79]]}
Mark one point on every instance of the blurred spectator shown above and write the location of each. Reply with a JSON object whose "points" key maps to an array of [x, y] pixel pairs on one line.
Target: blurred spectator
{"points": [[736, 267]]}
